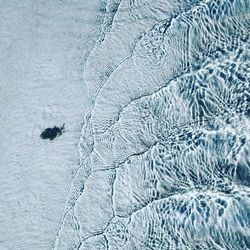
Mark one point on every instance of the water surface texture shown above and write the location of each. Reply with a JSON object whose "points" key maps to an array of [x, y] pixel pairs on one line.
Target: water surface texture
{"points": [[164, 150]]}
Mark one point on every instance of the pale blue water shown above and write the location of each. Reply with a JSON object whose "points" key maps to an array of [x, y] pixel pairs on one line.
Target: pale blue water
{"points": [[164, 153]]}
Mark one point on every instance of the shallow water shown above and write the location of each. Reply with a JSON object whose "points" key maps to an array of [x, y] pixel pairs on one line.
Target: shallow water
{"points": [[43, 46], [164, 144]]}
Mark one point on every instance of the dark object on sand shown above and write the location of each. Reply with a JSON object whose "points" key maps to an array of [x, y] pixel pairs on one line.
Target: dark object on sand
{"points": [[52, 133]]}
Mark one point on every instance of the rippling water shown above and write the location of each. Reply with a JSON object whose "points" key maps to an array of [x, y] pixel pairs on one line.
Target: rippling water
{"points": [[164, 151]]}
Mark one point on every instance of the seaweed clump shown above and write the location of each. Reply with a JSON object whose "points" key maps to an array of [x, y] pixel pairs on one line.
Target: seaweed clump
{"points": [[52, 133]]}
